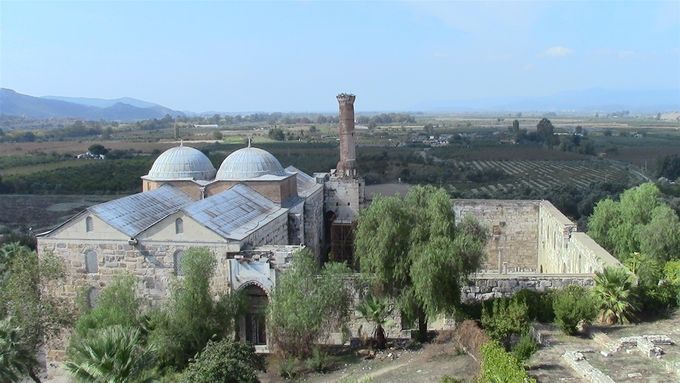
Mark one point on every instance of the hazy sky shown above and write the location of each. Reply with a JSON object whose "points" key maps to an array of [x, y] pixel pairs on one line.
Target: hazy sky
{"points": [[284, 56]]}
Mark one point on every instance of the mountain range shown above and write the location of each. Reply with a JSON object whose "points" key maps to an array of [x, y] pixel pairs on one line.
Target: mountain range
{"points": [[13, 103], [130, 109]]}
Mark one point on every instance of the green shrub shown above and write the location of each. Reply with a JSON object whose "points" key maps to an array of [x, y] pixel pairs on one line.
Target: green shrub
{"points": [[319, 361], [17, 359], [111, 354], [500, 366], [506, 317], [655, 295], [306, 303], [525, 347], [36, 311], [450, 379], [615, 296], [116, 305], [539, 305], [672, 276], [224, 362], [289, 368], [572, 305], [471, 310], [671, 272], [183, 326]]}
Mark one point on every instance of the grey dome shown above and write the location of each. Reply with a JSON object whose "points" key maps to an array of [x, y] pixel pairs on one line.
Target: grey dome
{"points": [[249, 163], [182, 162]]}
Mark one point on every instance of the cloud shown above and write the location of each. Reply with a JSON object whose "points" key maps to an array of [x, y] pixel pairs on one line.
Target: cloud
{"points": [[557, 51]]}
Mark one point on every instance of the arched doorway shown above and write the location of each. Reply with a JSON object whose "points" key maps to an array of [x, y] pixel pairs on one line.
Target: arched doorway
{"points": [[253, 327]]}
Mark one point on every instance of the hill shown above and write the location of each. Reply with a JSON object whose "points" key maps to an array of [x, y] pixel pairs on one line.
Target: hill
{"points": [[104, 102], [13, 103]]}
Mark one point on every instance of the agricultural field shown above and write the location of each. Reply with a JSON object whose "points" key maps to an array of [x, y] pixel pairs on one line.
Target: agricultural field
{"points": [[42, 212], [478, 162], [542, 175]]}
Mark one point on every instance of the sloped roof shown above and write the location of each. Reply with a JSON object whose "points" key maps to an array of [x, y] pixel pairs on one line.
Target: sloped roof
{"points": [[137, 212], [305, 182], [234, 213]]}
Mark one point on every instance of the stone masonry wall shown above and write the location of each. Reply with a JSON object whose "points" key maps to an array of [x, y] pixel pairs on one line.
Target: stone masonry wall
{"points": [[512, 225], [561, 249], [151, 264], [314, 225], [344, 197], [487, 286], [275, 232]]}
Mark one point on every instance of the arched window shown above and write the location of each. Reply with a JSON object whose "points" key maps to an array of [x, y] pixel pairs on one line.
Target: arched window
{"points": [[177, 261], [92, 296], [88, 224], [179, 226], [91, 264]]}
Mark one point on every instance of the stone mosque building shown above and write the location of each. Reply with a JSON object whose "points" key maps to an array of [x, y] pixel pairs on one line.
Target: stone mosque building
{"points": [[253, 214]]}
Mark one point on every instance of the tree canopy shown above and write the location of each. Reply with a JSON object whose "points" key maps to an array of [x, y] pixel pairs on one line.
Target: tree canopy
{"points": [[415, 253], [27, 311], [639, 222], [307, 303]]}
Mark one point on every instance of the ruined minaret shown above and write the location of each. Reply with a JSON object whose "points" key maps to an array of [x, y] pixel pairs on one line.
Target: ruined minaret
{"points": [[346, 165]]}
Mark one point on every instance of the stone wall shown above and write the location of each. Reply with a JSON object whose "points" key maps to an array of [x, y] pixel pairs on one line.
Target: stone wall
{"points": [[344, 197], [274, 232], [277, 190], [487, 286], [512, 225], [190, 188], [152, 265], [562, 249], [313, 221], [296, 224]]}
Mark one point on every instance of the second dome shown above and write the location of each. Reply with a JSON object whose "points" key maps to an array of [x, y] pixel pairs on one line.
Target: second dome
{"points": [[249, 163]]}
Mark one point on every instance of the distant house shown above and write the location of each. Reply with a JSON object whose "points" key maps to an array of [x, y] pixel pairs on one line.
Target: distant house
{"points": [[90, 156]]}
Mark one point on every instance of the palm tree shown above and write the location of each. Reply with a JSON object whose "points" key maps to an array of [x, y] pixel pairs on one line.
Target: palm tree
{"points": [[376, 310], [615, 295], [112, 355], [16, 358]]}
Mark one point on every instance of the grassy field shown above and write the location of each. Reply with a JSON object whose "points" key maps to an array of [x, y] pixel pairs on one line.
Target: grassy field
{"points": [[29, 169]]}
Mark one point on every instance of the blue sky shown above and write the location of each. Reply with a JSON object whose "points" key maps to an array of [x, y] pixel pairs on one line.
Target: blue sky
{"points": [[295, 56]]}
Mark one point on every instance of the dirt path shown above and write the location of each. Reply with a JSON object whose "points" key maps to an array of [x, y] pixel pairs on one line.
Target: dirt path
{"points": [[426, 365]]}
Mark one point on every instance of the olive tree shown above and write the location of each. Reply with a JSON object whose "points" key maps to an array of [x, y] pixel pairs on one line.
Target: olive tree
{"points": [[415, 253]]}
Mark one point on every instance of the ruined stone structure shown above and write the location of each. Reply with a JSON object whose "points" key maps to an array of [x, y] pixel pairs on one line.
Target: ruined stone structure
{"points": [[346, 165], [344, 189], [533, 237]]}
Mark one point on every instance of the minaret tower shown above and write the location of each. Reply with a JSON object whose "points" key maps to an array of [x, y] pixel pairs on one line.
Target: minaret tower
{"points": [[346, 165], [343, 189]]}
